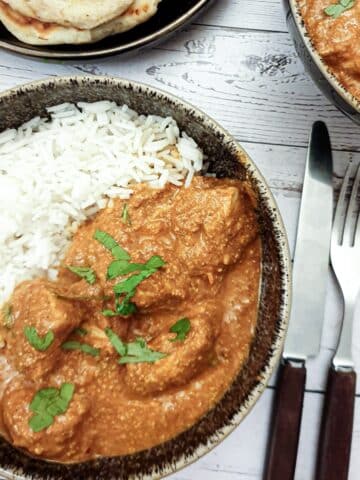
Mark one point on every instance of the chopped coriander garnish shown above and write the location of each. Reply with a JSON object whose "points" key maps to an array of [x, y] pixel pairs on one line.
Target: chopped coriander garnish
{"points": [[86, 273], [80, 331], [120, 267], [116, 341], [83, 347], [181, 328], [111, 244], [133, 352], [123, 307], [39, 343], [125, 217], [336, 9], [129, 284], [139, 352], [8, 319], [110, 313], [125, 289], [47, 403], [128, 287]]}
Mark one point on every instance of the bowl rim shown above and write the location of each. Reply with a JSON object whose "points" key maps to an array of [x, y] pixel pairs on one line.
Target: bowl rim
{"points": [[281, 241], [139, 44], [319, 62]]}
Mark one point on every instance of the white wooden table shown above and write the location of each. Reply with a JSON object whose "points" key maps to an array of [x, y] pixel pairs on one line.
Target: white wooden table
{"points": [[238, 64]]}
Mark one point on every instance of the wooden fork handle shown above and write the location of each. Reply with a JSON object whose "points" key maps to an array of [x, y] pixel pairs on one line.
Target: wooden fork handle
{"points": [[285, 431], [337, 426]]}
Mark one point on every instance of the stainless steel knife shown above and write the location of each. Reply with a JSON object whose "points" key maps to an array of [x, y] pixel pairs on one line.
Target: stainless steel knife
{"points": [[310, 273]]}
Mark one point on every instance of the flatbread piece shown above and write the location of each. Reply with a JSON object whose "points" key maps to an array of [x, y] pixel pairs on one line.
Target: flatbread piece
{"points": [[83, 14], [35, 32]]}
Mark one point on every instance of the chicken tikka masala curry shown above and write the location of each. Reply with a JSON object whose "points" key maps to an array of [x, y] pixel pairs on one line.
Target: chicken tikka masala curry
{"points": [[334, 29], [145, 328]]}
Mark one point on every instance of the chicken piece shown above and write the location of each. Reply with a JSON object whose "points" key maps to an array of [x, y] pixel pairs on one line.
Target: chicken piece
{"points": [[199, 231], [184, 359], [213, 226], [64, 438], [78, 290], [34, 304]]}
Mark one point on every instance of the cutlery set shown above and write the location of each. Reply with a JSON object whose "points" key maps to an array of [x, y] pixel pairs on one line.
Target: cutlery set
{"points": [[318, 238]]}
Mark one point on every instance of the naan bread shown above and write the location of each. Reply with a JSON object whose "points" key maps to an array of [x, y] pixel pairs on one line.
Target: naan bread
{"points": [[83, 14], [35, 32]]}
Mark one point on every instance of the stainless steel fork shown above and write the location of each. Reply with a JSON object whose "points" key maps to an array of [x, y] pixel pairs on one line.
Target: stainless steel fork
{"points": [[338, 414]]}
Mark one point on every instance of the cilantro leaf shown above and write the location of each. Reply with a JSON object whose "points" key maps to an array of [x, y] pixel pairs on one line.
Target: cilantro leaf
{"points": [[47, 403], [40, 422], [111, 244], [121, 267], [147, 269], [125, 307], [90, 350], [130, 284], [133, 352], [67, 391], [8, 319], [336, 9], [39, 343], [80, 331], [116, 341], [41, 397], [125, 217], [86, 273], [181, 328], [83, 347], [155, 263], [109, 313], [139, 352]]}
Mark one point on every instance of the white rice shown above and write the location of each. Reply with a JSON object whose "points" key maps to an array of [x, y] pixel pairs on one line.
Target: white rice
{"points": [[56, 173]]}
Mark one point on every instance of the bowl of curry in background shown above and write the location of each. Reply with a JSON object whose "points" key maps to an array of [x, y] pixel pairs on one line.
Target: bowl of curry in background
{"points": [[228, 162], [325, 35]]}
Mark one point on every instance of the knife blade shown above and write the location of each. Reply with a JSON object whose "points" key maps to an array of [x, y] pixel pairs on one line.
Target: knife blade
{"points": [[310, 272], [311, 259]]}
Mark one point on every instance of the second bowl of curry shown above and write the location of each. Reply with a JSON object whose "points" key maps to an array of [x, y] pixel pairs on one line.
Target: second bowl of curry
{"points": [[325, 35]]}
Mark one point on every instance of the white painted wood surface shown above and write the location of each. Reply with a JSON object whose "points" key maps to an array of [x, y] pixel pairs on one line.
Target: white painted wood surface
{"points": [[238, 64]]}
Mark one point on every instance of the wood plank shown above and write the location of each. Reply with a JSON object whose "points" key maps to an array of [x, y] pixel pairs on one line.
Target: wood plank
{"points": [[258, 14], [241, 455], [251, 82]]}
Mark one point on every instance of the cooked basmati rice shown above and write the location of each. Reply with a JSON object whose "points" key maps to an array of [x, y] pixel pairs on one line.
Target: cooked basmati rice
{"points": [[56, 172]]}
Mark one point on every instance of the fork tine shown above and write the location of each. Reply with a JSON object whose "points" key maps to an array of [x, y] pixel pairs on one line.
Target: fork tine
{"points": [[352, 210], [341, 207], [357, 229]]}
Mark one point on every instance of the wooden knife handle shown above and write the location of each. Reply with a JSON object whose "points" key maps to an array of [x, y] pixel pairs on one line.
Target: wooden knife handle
{"points": [[285, 431], [337, 426]]}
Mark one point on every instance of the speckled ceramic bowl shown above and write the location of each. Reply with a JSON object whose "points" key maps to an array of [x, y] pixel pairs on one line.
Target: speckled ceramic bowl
{"points": [[227, 159], [319, 71]]}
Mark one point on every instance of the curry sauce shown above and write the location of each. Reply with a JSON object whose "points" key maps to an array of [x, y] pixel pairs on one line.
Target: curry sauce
{"points": [[334, 30], [149, 321]]}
